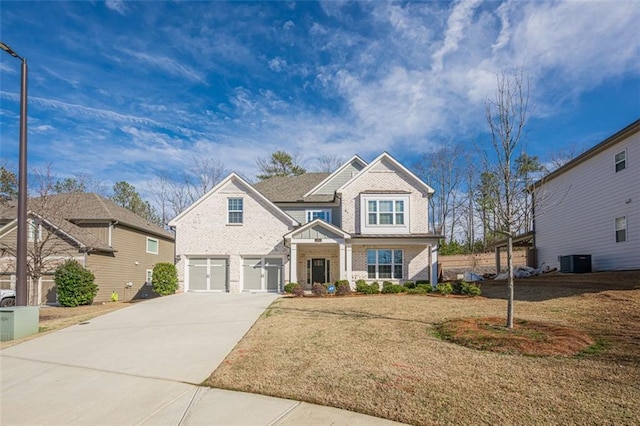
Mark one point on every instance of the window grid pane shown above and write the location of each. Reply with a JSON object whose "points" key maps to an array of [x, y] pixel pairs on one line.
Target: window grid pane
{"points": [[384, 263], [385, 212]]}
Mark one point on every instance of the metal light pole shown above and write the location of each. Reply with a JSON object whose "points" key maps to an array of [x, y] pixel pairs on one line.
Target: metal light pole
{"points": [[21, 253]]}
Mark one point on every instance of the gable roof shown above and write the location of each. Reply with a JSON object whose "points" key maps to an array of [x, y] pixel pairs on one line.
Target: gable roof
{"points": [[87, 207], [249, 188], [321, 223], [605, 144], [292, 189], [354, 159], [386, 156], [81, 237]]}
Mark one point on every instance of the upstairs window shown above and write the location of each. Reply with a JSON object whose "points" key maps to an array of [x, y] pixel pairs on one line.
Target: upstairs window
{"points": [[621, 161], [384, 263], [621, 229], [319, 214], [385, 212], [152, 245], [34, 230], [235, 210]]}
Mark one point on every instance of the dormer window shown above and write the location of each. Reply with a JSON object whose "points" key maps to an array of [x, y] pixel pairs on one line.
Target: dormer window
{"points": [[324, 214]]}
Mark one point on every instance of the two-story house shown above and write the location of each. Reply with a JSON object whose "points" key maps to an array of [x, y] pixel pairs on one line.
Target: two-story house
{"points": [[363, 221], [591, 206], [119, 247]]}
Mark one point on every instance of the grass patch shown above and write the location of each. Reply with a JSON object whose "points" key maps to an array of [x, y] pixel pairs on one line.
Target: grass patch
{"points": [[384, 355]]}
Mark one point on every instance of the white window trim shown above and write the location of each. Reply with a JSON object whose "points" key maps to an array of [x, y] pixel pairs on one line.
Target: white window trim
{"points": [[309, 213], [624, 160], [229, 211], [367, 228], [327, 269], [149, 274], [30, 224], [625, 229], [393, 264], [157, 245]]}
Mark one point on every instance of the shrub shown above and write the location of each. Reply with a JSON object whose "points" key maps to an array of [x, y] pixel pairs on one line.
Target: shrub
{"points": [[298, 291], [319, 289], [343, 288], [75, 284], [426, 287], [418, 290], [386, 284], [164, 278], [418, 282], [288, 288], [444, 288], [393, 288], [471, 289], [363, 287], [409, 284]]}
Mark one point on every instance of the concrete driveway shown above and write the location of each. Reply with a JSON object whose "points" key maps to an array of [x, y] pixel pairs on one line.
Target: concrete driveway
{"points": [[142, 365]]}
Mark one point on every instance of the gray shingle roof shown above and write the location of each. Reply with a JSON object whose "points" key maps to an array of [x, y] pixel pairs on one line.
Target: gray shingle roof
{"points": [[291, 189], [85, 207]]}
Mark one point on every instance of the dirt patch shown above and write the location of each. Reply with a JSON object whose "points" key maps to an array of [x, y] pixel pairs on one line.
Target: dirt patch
{"points": [[525, 338]]}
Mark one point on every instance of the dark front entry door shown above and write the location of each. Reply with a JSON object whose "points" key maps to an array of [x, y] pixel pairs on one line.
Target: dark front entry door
{"points": [[318, 271]]}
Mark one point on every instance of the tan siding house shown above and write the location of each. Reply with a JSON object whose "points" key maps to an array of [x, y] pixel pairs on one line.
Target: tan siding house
{"points": [[117, 246]]}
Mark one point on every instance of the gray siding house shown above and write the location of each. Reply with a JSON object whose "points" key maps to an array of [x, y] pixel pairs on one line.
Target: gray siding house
{"points": [[591, 206]]}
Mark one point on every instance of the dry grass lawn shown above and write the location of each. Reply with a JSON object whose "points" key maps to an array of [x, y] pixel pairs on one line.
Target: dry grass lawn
{"points": [[379, 355], [55, 317]]}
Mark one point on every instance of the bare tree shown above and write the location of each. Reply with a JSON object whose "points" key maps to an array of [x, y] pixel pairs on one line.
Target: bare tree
{"points": [[48, 243], [329, 163], [204, 174], [562, 156], [80, 182], [507, 116], [443, 171]]}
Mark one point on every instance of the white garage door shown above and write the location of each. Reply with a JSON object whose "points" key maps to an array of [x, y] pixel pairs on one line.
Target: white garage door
{"points": [[207, 274]]}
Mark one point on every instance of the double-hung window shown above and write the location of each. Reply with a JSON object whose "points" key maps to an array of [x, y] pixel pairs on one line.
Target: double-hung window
{"points": [[235, 210], [621, 229], [34, 230], [384, 263], [385, 212], [621, 161], [324, 214]]}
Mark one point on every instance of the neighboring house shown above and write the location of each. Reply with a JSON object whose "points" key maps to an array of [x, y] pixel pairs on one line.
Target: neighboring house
{"points": [[591, 206], [364, 221], [119, 247]]}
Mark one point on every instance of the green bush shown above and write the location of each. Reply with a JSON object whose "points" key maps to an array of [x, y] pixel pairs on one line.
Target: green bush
{"points": [[393, 288], [418, 282], [319, 289], [288, 288], [363, 287], [343, 288], [426, 287], [165, 278], [409, 284], [444, 288], [75, 284], [471, 289], [417, 290]]}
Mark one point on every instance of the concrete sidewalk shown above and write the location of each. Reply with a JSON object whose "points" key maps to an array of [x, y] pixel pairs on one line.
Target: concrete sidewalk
{"points": [[142, 365]]}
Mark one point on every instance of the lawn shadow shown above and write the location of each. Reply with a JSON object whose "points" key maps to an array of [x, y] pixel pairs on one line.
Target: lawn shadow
{"points": [[557, 285]]}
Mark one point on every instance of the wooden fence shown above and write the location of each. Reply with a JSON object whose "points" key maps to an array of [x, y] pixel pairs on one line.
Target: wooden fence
{"points": [[480, 261]]}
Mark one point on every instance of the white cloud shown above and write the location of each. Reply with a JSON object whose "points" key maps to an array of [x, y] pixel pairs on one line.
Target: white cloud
{"points": [[169, 65], [457, 23], [117, 5], [288, 25], [277, 64]]}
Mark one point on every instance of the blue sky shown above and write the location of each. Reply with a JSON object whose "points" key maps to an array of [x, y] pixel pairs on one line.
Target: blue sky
{"points": [[125, 90]]}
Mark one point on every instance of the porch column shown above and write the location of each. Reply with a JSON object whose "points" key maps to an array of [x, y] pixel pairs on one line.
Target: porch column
{"points": [[349, 263], [293, 263], [434, 265], [343, 263]]}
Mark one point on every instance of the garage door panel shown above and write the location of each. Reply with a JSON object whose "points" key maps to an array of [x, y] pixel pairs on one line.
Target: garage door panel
{"points": [[218, 274], [252, 273], [207, 274]]}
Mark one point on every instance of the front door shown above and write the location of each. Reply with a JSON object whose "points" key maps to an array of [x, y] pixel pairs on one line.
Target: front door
{"points": [[318, 271]]}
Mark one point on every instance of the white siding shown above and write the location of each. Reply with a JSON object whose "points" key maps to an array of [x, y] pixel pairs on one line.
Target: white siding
{"points": [[576, 211]]}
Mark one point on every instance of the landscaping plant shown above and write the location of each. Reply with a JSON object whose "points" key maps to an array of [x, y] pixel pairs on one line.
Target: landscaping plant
{"points": [[165, 278], [75, 284]]}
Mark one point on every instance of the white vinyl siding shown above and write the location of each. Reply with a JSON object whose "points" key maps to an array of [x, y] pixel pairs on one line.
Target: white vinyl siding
{"points": [[235, 209], [575, 211], [152, 245]]}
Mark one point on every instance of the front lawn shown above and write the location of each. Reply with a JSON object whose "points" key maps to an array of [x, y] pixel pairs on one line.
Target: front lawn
{"points": [[381, 355]]}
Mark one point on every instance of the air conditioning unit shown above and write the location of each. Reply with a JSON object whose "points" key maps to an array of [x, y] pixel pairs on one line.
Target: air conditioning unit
{"points": [[575, 263]]}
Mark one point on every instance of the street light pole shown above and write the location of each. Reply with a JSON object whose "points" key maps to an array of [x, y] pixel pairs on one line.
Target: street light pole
{"points": [[21, 249]]}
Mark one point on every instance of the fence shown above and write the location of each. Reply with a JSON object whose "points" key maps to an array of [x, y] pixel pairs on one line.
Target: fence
{"points": [[480, 262]]}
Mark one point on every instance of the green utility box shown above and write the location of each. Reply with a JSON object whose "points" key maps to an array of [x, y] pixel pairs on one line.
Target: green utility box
{"points": [[18, 321]]}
